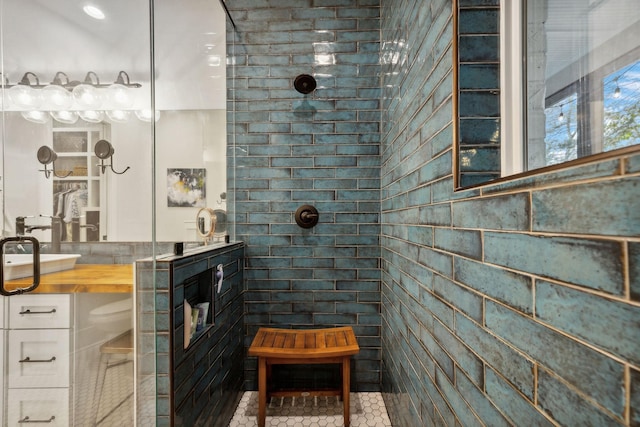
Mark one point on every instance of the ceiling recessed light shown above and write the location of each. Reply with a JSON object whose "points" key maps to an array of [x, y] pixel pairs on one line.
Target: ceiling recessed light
{"points": [[93, 12]]}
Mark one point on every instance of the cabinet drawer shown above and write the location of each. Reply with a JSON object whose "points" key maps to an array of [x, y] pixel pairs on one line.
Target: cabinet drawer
{"points": [[43, 311], [38, 358], [48, 407]]}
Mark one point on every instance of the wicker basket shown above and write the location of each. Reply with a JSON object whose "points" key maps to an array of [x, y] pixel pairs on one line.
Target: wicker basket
{"points": [[79, 171]]}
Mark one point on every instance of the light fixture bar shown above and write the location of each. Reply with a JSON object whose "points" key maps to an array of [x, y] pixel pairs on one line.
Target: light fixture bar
{"points": [[90, 79]]}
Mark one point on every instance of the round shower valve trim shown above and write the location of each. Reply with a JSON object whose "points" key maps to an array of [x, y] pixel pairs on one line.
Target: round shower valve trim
{"points": [[307, 216]]}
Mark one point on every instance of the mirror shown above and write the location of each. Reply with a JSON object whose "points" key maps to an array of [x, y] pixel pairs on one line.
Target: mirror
{"points": [[211, 224], [221, 222], [185, 129], [206, 224], [574, 99]]}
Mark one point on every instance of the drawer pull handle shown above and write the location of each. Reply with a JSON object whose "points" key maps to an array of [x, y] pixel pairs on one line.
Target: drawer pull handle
{"points": [[28, 360], [27, 311], [27, 420]]}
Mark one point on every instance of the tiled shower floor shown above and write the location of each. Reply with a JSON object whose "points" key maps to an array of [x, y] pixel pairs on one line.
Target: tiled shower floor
{"points": [[367, 410]]}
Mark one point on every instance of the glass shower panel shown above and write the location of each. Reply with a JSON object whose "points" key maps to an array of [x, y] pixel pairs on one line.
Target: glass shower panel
{"points": [[75, 100], [191, 156]]}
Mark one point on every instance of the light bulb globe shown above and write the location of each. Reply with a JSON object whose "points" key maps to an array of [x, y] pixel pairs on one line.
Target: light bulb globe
{"points": [[147, 115], [36, 116], [65, 116], [91, 116], [118, 116], [87, 97], [56, 97], [24, 96], [119, 96]]}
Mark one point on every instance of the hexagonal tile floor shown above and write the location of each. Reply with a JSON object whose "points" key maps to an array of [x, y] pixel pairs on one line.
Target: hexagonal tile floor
{"points": [[367, 410]]}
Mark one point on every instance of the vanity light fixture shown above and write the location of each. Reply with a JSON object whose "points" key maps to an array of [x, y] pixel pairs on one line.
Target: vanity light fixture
{"points": [[118, 92], [31, 80], [65, 99], [56, 96], [24, 93], [104, 150], [47, 156], [86, 95]]}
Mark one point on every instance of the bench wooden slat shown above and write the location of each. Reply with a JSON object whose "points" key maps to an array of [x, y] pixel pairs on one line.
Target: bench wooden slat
{"points": [[279, 341], [299, 340], [289, 341], [331, 339], [320, 340], [310, 343], [269, 337]]}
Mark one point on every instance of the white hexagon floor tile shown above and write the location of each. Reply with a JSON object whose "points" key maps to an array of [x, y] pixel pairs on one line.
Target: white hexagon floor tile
{"points": [[367, 410]]}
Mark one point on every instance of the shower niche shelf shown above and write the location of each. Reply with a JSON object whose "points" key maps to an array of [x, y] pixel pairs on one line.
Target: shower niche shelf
{"points": [[198, 290]]}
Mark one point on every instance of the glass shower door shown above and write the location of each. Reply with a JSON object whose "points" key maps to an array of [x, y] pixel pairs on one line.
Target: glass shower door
{"points": [[77, 141]]}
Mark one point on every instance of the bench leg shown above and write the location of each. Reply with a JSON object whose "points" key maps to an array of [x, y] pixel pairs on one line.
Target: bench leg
{"points": [[346, 387], [262, 391]]}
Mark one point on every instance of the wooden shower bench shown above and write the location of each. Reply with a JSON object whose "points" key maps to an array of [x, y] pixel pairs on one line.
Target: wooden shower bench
{"points": [[275, 346]]}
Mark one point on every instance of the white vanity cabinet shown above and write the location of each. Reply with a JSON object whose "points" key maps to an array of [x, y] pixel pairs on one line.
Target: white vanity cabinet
{"points": [[39, 349]]}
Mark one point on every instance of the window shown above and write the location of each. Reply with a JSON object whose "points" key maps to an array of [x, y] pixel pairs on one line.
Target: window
{"points": [[578, 89]]}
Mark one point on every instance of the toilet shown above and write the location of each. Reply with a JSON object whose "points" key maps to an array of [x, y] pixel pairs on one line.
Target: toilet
{"points": [[114, 317]]}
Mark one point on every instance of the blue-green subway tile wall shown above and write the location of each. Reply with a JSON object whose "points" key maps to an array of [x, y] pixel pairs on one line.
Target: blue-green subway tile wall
{"points": [[479, 93], [514, 304], [320, 149]]}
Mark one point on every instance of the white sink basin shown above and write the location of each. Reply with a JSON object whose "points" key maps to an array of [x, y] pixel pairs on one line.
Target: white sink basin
{"points": [[17, 266]]}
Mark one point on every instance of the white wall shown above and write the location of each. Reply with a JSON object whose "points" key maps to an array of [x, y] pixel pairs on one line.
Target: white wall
{"points": [[182, 138], [27, 191]]}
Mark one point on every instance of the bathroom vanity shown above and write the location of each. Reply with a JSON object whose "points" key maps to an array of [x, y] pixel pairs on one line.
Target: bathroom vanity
{"points": [[41, 344]]}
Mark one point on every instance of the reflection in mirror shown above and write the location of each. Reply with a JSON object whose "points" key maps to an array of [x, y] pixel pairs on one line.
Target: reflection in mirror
{"points": [[221, 222], [576, 98], [186, 128], [206, 224]]}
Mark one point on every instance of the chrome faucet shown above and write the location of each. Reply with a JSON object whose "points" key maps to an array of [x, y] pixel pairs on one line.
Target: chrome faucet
{"points": [[55, 227]]}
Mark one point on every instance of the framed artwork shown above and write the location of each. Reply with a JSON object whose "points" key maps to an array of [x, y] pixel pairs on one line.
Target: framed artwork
{"points": [[186, 188]]}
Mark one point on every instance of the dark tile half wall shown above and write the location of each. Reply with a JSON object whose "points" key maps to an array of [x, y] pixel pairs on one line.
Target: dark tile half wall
{"points": [[320, 149], [202, 384]]}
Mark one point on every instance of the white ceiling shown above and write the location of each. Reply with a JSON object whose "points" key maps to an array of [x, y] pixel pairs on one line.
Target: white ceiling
{"points": [[47, 36]]}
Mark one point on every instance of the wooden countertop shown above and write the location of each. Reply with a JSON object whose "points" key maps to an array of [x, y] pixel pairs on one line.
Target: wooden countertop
{"points": [[92, 278]]}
